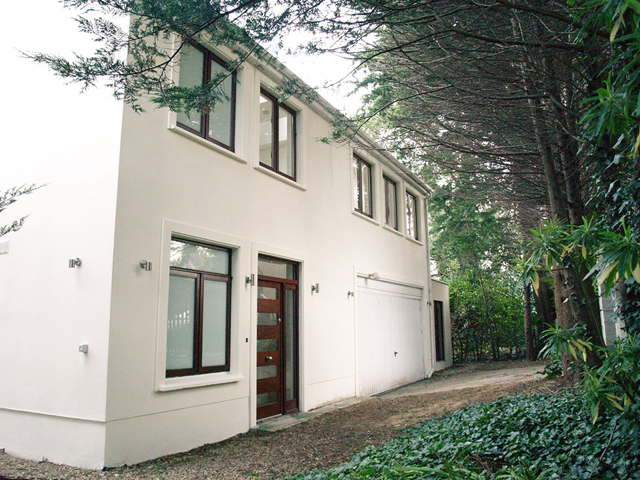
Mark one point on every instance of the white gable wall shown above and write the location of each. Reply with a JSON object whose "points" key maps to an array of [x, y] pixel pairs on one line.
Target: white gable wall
{"points": [[52, 397]]}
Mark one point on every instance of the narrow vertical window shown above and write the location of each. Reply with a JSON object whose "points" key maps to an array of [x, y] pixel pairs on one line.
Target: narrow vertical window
{"points": [[390, 203], [412, 216], [198, 320], [277, 136], [199, 66], [363, 187], [438, 310]]}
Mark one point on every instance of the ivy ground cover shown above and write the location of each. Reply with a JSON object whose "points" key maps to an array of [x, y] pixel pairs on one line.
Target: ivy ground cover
{"points": [[529, 437]]}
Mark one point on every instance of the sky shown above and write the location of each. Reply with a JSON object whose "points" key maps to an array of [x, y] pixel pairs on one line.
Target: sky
{"points": [[35, 99], [44, 25], [319, 70], [38, 105]]}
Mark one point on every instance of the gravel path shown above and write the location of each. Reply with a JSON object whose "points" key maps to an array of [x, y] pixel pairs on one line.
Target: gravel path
{"points": [[322, 442]]}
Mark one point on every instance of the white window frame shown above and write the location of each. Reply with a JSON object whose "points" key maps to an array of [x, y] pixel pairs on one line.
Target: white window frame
{"points": [[188, 232], [238, 153], [376, 186], [419, 217], [399, 202], [264, 83]]}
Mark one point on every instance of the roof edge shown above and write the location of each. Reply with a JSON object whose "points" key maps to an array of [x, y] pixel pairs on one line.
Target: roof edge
{"points": [[275, 70]]}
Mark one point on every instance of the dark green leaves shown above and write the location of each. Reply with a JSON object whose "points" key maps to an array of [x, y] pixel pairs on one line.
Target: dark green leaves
{"points": [[534, 437]]}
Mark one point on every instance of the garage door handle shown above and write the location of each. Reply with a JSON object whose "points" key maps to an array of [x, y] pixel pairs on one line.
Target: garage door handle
{"points": [[268, 359]]}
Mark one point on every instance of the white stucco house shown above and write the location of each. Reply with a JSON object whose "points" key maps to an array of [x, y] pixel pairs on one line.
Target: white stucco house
{"points": [[182, 277]]}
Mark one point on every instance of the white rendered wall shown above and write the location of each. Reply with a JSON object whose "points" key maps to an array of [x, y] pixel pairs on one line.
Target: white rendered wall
{"points": [[53, 398], [165, 179], [440, 292]]}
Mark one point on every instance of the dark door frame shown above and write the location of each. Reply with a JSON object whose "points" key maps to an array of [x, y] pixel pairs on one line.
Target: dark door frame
{"points": [[292, 405]]}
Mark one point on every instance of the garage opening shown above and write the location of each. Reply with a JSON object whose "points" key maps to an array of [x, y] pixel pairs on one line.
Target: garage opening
{"points": [[389, 326]]}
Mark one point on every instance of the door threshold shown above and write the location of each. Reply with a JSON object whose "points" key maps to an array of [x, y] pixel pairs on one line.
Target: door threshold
{"points": [[282, 422]]}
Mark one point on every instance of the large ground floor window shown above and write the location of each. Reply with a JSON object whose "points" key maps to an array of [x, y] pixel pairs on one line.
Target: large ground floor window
{"points": [[199, 313]]}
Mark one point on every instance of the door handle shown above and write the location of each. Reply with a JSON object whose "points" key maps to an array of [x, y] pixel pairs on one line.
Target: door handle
{"points": [[268, 359]]}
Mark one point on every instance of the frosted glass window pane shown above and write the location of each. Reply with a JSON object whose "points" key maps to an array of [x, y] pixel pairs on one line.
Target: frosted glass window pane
{"points": [[290, 332], [390, 203], [220, 116], [266, 131], [199, 257], [366, 186], [276, 269], [356, 186], [270, 293], [411, 216], [191, 75], [286, 158], [266, 398], [267, 318], [180, 322], [214, 323], [268, 344], [270, 371]]}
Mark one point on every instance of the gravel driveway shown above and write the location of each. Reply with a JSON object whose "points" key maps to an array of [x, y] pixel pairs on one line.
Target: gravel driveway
{"points": [[321, 442]]}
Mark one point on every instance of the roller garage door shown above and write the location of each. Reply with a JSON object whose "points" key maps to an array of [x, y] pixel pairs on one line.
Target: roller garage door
{"points": [[389, 335]]}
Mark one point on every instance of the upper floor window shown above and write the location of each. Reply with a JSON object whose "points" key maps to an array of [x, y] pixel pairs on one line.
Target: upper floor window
{"points": [[363, 187], [412, 216], [199, 66], [390, 203], [277, 136], [199, 313]]}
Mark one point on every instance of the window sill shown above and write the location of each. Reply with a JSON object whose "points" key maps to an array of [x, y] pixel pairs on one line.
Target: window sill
{"points": [[391, 229], [418, 242], [280, 177], [207, 143], [364, 217], [179, 383]]}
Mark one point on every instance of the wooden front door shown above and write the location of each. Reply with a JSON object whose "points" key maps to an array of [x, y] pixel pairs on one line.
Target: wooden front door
{"points": [[277, 348], [269, 372]]}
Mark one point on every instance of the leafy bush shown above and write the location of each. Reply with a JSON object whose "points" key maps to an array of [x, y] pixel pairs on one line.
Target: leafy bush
{"points": [[523, 437]]}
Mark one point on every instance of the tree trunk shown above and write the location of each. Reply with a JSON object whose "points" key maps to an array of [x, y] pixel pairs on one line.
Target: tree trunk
{"points": [[545, 306], [563, 319], [528, 327]]}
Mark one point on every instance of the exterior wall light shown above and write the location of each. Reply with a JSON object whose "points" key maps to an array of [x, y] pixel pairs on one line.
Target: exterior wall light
{"points": [[315, 288], [74, 262], [145, 265], [374, 275]]}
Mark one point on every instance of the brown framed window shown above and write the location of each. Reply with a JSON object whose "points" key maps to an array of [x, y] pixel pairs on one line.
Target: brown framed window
{"points": [[198, 66], [438, 310], [199, 311], [277, 136], [412, 216], [363, 187], [390, 203]]}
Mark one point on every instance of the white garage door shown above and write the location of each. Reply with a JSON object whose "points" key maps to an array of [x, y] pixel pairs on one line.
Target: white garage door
{"points": [[389, 351]]}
